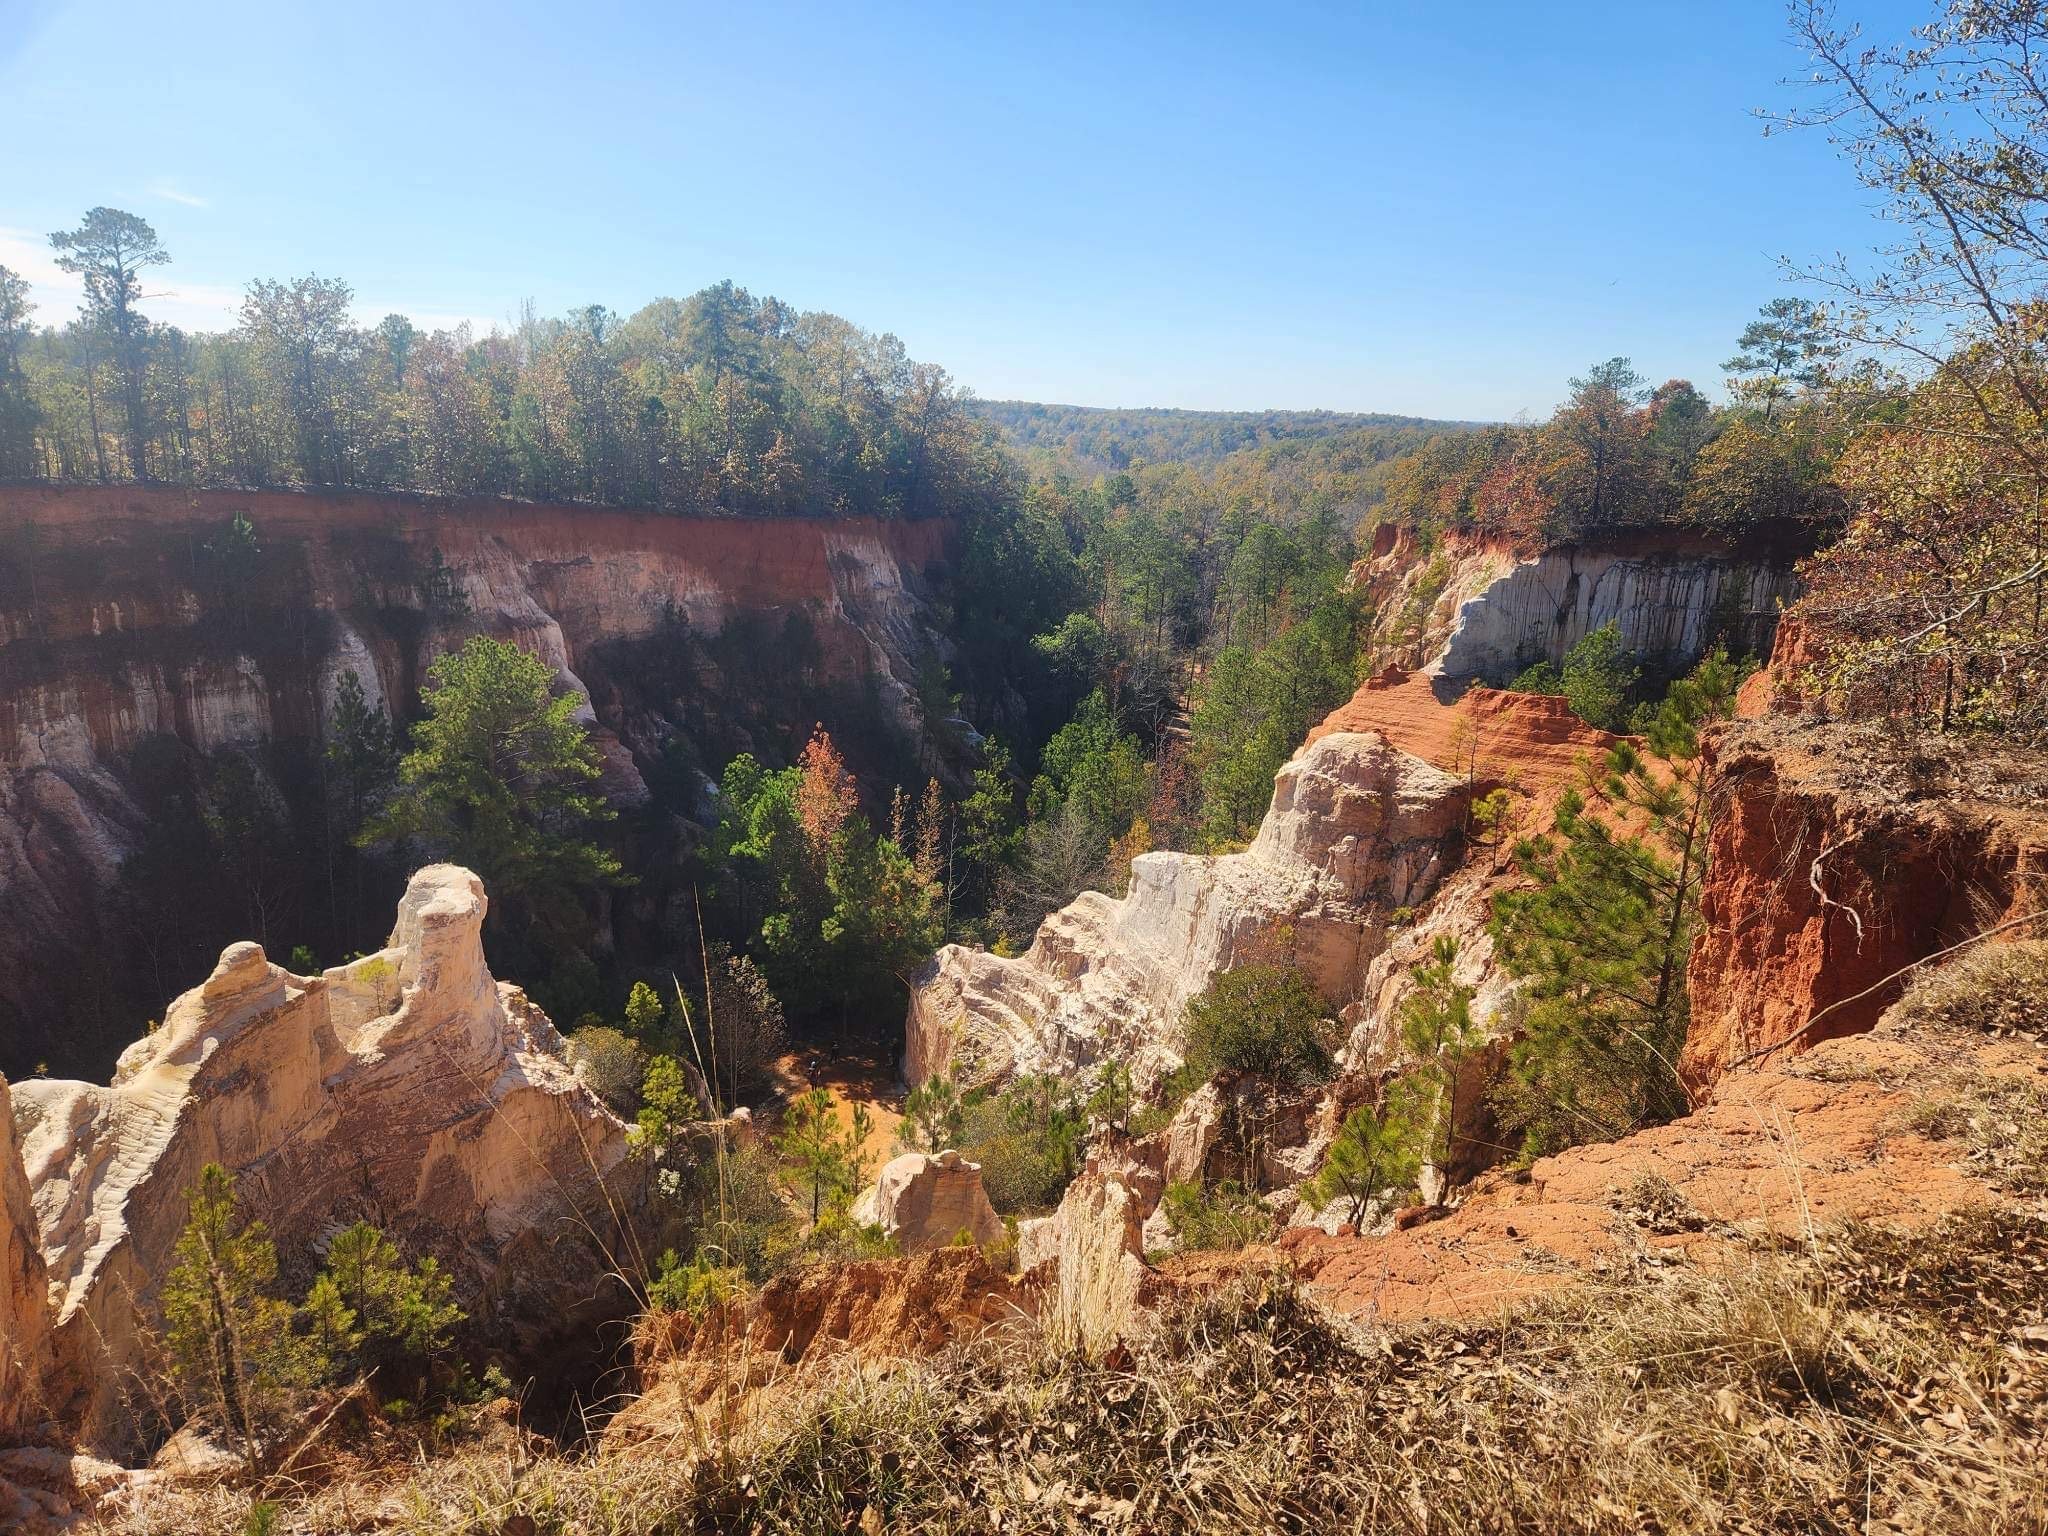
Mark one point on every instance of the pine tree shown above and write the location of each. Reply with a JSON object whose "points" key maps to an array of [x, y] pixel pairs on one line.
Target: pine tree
{"points": [[501, 777], [1374, 1154], [667, 1106], [825, 1158], [399, 1311], [645, 1015], [232, 1339], [933, 1118], [1438, 1029], [1604, 930]]}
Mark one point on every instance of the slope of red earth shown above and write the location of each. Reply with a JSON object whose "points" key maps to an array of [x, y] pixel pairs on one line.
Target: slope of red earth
{"points": [[695, 1373], [1531, 743], [1790, 1149]]}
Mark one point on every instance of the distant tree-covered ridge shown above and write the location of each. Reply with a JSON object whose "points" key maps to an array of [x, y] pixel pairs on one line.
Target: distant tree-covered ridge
{"points": [[1096, 439], [721, 403]]}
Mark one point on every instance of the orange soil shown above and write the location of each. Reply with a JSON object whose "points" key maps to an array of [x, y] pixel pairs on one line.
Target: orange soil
{"points": [[1531, 743], [851, 1079], [1789, 1149]]}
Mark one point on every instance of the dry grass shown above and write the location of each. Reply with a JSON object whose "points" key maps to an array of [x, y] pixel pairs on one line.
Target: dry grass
{"points": [[1998, 988], [2002, 1124], [1866, 1383]]}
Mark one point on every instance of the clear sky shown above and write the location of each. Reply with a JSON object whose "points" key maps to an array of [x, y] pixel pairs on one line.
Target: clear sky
{"points": [[1439, 208]]}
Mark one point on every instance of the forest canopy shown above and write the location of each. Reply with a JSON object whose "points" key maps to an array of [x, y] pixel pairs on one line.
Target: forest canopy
{"points": [[721, 403]]}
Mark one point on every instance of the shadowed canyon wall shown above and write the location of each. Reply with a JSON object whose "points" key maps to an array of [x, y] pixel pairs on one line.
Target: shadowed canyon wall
{"points": [[144, 646]]}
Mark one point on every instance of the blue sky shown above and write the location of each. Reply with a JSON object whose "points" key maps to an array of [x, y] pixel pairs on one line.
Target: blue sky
{"points": [[1443, 209]]}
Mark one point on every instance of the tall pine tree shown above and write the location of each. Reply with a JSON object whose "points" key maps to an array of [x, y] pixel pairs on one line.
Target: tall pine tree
{"points": [[1604, 929]]}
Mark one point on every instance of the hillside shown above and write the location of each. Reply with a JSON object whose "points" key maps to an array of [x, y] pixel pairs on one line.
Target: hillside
{"points": [[1093, 440]]}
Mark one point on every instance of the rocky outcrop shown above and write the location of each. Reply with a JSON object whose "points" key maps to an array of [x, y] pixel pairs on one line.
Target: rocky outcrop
{"points": [[24, 1291], [1356, 830], [1669, 606], [406, 1088], [1478, 607], [130, 624], [1838, 858], [922, 1202]]}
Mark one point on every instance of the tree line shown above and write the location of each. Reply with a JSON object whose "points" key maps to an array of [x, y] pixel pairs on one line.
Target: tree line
{"points": [[719, 404]]}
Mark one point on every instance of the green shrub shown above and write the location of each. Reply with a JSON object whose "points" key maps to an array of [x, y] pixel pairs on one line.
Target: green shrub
{"points": [[1265, 1020], [1376, 1154], [611, 1063], [1596, 679], [1028, 1140], [694, 1286], [1224, 1216]]}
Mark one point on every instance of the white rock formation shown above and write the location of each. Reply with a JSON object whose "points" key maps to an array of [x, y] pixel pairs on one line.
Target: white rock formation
{"points": [[406, 1088], [926, 1202], [1355, 830], [1666, 606], [24, 1291]]}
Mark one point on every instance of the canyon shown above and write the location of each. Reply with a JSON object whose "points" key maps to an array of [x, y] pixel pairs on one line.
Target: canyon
{"points": [[1366, 822], [142, 636], [412, 1088]]}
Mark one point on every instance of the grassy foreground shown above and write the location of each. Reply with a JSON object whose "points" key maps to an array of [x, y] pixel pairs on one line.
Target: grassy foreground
{"points": [[1860, 1382]]}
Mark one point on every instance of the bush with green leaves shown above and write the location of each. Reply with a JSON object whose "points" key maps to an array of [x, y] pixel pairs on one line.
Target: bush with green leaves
{"points": [[1267, 1021], [611, 1062], [737, 1211], [1111, 1096], [695, 1285], [1597, 678], [1222, 1216], [1028, 1140], [502, 777], [646, 1016]]}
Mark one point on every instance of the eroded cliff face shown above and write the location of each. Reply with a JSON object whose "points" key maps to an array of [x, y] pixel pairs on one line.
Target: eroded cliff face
{"points": [[1837, 858], [407, 1088], [132, 620], [24, 1291], [1480, 608], [1356, 830]]}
